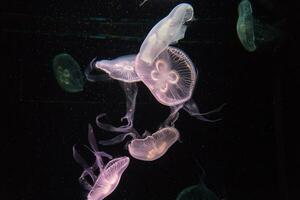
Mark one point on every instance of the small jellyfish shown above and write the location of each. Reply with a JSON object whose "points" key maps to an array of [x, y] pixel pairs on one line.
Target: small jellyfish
{"points": [[153, 146], [167, 31], [147, 147], [170, 77], [197, 192], [121, 68], [109, 174], [67, 73], [252, 32]]}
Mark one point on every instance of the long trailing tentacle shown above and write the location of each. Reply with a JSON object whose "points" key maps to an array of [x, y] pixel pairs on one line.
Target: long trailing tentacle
{"points": [[192, 108]]}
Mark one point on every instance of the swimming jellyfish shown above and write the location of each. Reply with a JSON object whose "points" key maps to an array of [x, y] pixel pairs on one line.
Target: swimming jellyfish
{"points": [[171, 77], [121, 68], [167, 31], [147, 147], [67, 73], [252, 32], [197, 192], [109, 174]]}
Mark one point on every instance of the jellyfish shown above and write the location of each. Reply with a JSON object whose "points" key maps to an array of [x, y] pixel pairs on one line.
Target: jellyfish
{"points": [[147, 147], [167, 31], [199, 191], [67, 73], [109, 174], [251, 31], [171, 77], [121, 68]]}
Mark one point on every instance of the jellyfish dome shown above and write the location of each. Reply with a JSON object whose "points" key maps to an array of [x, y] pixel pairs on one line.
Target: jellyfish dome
{"points": [[121, 68], [153, 146], [170, 78], [167, 31]]}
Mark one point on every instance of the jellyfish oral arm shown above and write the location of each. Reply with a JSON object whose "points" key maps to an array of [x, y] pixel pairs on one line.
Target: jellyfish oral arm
{"points": [[116, 140]]}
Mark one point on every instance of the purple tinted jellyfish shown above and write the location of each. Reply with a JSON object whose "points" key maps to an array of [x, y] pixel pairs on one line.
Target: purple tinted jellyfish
{"points": [[153, 146], [167, 31], [170, 77], [147, 147], [121, 68], [109, 174]]}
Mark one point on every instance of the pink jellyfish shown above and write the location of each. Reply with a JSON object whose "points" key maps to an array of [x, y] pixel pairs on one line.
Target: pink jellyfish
{"points": [[121, 68], [153, 146], [167, 31], [171, 77], [147, 147], [109, 174]]}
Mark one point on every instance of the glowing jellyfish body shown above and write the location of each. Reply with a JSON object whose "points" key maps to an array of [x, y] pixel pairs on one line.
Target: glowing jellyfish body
{"points": [[245, 26], [171, 77], [67, 73], [121, 68], [167, 31], [110, 174], [153, 146]]}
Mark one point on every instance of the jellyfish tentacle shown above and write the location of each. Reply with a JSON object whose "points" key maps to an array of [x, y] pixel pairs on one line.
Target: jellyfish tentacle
{"points": [[130, 90], [172, 118], [192, 108], [111, 128], [118, 139], [88, 170], [92, 77]]}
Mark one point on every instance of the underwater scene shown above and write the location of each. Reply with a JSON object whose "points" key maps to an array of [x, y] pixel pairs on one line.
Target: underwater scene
{"points": [[146, 99]]}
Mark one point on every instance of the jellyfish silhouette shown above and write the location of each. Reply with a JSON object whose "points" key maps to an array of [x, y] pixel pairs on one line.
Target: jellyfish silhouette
{"points": [[147, 147], [67, 73], [109, 174], [251, 31]]}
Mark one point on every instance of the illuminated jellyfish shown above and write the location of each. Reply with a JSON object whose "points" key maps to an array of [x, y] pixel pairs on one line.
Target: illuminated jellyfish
{"points": [[252, 32], [197, 192], [67, 73], [109, 174], [167, 31], [147, 147]]}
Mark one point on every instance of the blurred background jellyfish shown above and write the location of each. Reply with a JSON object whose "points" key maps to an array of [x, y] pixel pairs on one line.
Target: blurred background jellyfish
{"points": [[147, 147], [109, 174], [199, 191], [252, 32], [68, 73]]}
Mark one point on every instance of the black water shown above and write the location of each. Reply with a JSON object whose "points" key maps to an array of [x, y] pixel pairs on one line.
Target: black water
{"points": [[245, 155]]}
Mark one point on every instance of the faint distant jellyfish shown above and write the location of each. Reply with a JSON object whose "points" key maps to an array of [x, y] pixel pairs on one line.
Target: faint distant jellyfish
{"points": [[67, 73], [197, 192], [167, 31], [251, 31], [170, 77], [245, 26], [109, 174], [147, 147]]}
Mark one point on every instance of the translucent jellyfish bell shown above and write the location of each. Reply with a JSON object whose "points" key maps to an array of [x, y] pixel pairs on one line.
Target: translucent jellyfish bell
{"points": [[121, 68], [153, 146], [109, 174], [167, 31], [170, 77]]}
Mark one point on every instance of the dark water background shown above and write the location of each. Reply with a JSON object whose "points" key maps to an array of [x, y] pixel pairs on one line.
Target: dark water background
{"points": [[245, 156]]}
